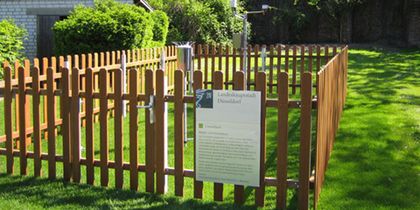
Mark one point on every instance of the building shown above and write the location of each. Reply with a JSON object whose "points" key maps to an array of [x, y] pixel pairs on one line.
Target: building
{"points": [[38, 17]]}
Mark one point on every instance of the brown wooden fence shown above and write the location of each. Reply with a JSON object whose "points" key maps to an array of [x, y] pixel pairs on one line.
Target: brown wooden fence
{"points": [[331, 97], [102, 92], [294, 59], [140, 59]]}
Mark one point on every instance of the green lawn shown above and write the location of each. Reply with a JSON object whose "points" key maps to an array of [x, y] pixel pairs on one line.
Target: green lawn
{"points": [[374, 163]]}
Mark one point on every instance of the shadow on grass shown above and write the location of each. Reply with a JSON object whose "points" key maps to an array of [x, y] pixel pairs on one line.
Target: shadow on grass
{"points": [[374, 164], [44, 193]]}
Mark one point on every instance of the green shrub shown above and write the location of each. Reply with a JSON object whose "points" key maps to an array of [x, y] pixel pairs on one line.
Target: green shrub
{"points": [[11, 41], [107, 26], [160, 29], [202, 21]]}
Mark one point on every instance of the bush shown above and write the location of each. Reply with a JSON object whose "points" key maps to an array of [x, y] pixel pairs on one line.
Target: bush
{"points": [[107, 26], [160, 28], [11, 41], [203, 21]]}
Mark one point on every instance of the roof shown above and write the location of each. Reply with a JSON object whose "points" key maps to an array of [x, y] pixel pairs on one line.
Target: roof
{"points": [[144, 4]]}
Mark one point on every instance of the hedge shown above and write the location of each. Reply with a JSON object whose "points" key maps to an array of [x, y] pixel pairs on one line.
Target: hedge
{"points": [[107, 26]]}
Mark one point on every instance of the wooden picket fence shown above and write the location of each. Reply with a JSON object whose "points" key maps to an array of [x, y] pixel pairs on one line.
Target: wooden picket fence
{"points": [[102, 91], [294, 59], [140, 59]]}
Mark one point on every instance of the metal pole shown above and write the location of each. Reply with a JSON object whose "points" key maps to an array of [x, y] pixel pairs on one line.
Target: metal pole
{"points": [[245, 46], [124, 78]]}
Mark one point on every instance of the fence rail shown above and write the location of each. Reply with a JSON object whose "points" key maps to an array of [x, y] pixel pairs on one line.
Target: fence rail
{"points": [[56, 92]]}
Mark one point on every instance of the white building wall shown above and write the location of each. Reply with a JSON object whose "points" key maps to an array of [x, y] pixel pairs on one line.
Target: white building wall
{"points": [[17, 10]]}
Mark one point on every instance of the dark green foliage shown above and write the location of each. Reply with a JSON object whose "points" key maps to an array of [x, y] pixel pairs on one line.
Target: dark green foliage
{"points": [[203, 21], [11, 42], [107, 26]]}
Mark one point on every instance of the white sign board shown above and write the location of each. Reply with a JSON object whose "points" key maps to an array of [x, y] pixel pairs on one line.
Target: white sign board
{"points": [[228, 133]]}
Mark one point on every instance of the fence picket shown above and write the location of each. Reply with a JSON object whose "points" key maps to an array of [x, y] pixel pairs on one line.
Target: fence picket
{"points": [[75, 124], [310, 58], [51, 124], [118, 127], [256, 57], [90, 151], [150, 136], [27, 74], [134, 148], [65, 109], [286, 59], [271, 76], [220, 53], [282, 132], [227, 66], [198, 84], [22, 121], [239, 84], [294, 69], [103, 119], [43, 85], [8, 101], [213, 59], [36, 122], [248, 74], [305, 140], [159, 132], [206, 66], [327, 58], [179, 132], [261, 85], [218, 85], [302, 60], [199, 54]]}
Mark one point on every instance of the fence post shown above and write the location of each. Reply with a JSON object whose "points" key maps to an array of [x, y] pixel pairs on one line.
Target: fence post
{"points": [[103, 119], [150, 136], [261, 85], [271, 75], [282, 132], [179, 132], [90, 151], [36, 122], [294, 69], [65, 108], [160, 133], [198, 84], [134, 175], [118, 118], [75, 124], [305, 140], [239, 84], [8, 99], [218, 85], [22, 120]]}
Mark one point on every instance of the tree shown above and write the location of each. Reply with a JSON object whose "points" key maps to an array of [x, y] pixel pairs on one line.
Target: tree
{"points": [[203, 21]]}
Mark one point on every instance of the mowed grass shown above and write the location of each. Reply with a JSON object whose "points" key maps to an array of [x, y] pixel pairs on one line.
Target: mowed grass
{"points": [[374, 163]]}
